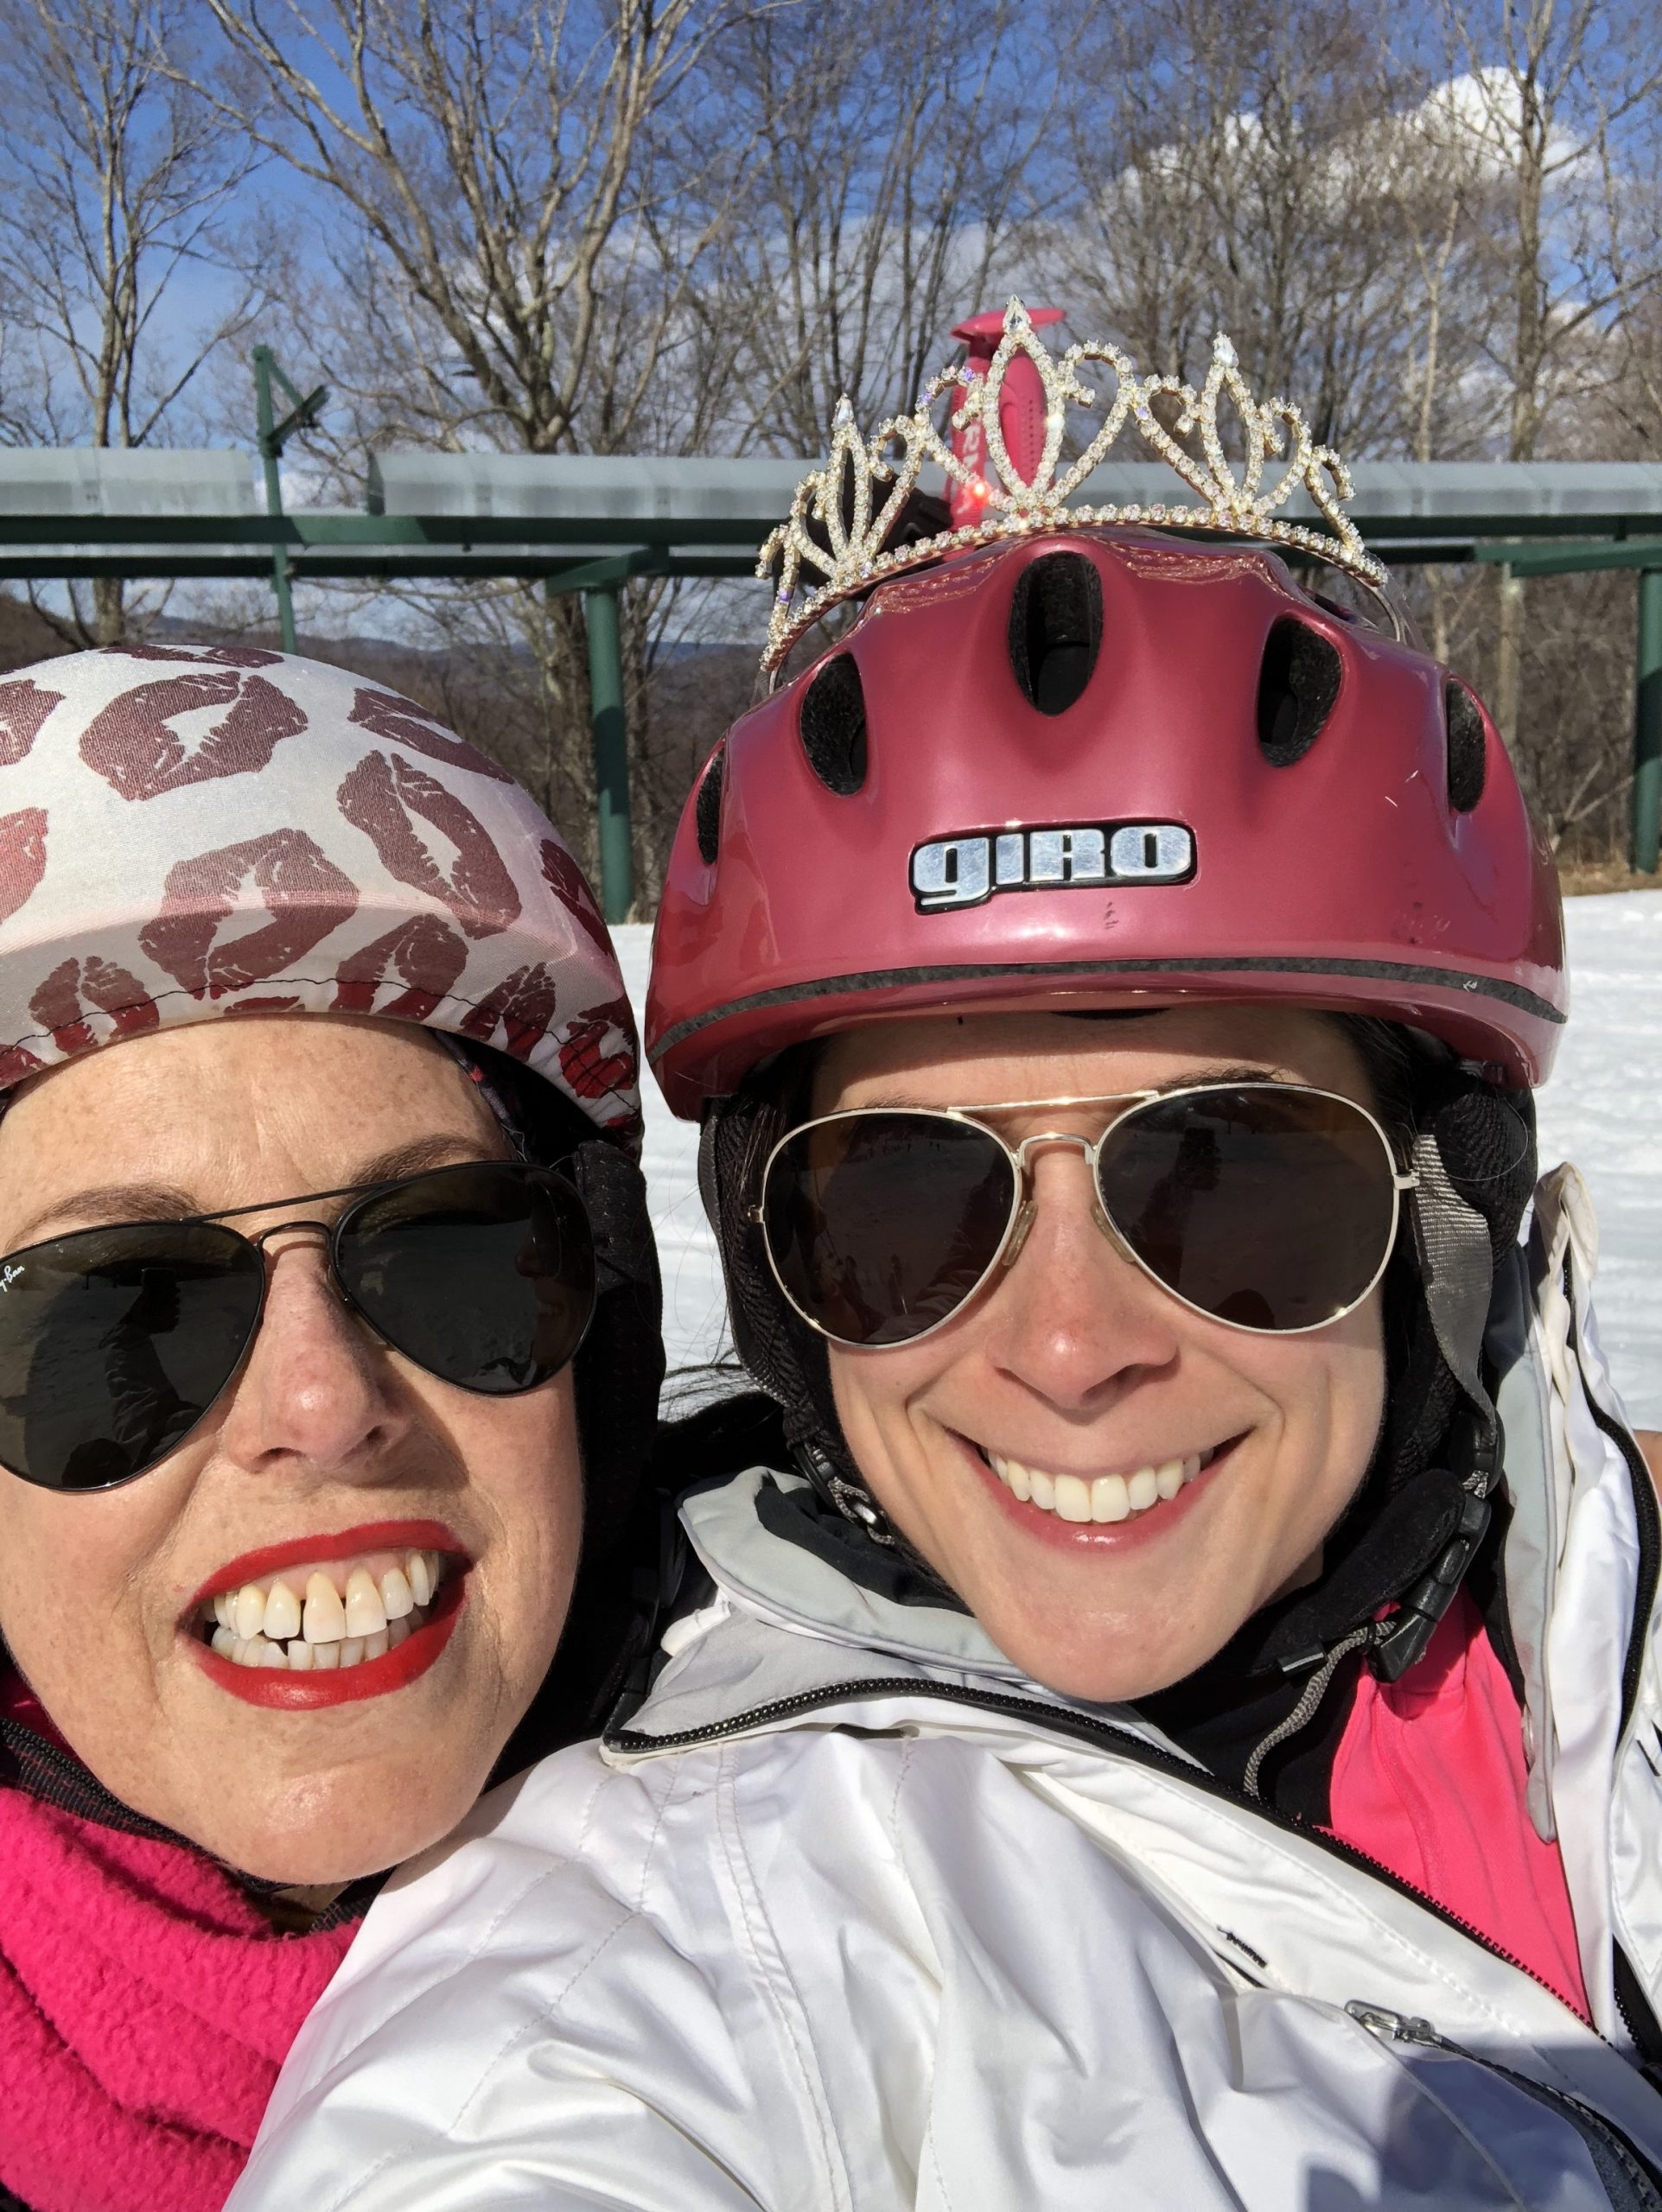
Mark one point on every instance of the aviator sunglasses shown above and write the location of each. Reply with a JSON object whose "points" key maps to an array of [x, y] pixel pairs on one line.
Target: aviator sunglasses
{"points": [[1269, 1206], [116, 1342]]}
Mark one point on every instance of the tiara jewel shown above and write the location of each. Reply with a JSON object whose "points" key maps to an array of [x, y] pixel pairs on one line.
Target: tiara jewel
{"points": [[842, 514]]}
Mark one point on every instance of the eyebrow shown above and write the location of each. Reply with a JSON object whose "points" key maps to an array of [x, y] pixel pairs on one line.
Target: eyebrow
{"points": [[1194, 1079], [109, 1204]]}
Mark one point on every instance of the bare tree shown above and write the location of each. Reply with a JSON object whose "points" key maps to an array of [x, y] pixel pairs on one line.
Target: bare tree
{"points": [[896, 145], [508, 187], [1556, 99], [116, 280], [1261, 168]]}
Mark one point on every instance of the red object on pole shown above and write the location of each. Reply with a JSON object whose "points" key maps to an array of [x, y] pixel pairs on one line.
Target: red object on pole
{"points": [[1020, 410]]}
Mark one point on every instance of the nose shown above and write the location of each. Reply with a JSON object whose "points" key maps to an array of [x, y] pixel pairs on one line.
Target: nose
{"points": [[1075, 1321], [316, 1391]]}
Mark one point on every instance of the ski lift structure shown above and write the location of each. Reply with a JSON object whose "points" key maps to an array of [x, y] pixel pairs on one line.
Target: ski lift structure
{"points": [[589, 523]]}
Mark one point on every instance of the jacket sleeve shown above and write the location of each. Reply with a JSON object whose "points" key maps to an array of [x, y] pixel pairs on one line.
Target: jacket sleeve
{"points": [[521, 2023]]}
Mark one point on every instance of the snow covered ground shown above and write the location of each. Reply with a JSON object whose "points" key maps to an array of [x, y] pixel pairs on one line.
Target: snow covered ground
{"points": [[1600, 1110]]}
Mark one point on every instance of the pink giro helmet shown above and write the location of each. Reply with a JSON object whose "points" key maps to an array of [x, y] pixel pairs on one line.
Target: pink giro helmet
{"points": [[1097, 768]]}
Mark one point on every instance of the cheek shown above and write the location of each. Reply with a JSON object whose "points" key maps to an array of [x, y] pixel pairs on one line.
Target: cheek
{"points": [[871, 1390], [75, 1574], [1330, 1394], [527, 1481]]}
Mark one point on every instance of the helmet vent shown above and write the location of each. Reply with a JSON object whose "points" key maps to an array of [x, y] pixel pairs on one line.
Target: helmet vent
{"points": [[1297, 686], [1055, 629], [832, 726], [707, 807], [1467, 753]]}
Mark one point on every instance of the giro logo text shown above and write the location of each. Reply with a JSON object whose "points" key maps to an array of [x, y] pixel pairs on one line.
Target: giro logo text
{"points": [[963, 871]]}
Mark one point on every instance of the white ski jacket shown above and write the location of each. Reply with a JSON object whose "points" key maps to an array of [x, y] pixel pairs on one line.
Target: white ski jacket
{"points": [[851, 1915]]}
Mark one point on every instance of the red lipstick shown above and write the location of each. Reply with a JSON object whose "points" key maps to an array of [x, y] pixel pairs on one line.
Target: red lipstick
{"points": [[278, 1690], [338, 1543]]}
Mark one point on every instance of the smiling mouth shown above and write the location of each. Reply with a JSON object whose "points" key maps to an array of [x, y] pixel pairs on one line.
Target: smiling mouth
{"points": [[1098, 1498], [328, 1616]]}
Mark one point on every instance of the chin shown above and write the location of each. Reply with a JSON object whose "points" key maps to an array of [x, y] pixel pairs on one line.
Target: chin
{"points": [[327, 1852], [1104, 1662]]}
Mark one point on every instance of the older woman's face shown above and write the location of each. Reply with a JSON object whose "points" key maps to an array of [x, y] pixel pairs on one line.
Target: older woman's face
{"points": [[1074, 1363], [325, 1433]]}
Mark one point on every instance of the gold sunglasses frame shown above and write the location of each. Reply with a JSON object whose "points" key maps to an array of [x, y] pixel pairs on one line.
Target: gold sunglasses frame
{"points": [[1024, 1202]]}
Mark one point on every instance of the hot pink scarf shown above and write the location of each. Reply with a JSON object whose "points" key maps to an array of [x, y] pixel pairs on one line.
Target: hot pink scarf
{"points": [[145, 2006]]}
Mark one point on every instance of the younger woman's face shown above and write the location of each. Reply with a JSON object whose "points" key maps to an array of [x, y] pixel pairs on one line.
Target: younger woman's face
{"points": [[1073, 1362], [328, 1456]]}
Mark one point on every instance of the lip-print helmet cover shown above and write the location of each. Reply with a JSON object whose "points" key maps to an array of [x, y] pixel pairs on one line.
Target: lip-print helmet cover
{"points": [[188, 832]]}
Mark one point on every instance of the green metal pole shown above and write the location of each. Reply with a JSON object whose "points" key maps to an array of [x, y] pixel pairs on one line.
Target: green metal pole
{"points": [[266, 424], [611, 753], [1647, 724]]}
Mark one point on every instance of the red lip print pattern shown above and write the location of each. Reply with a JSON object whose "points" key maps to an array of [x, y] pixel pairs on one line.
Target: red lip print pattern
{"points": [[23, 707], [135, 747], [387, 715], [192, 829], [200, 655], [306, 895], [380, 796], [565, 879], [591, 1072], [524, 1003], [59, 1004], [22, 857], [424, 953]]}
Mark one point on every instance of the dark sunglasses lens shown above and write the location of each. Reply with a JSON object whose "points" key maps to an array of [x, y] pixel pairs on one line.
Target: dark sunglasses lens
{"points": [[484, 1276], [880, 1225], [113, 1345], [1272, 1208]]}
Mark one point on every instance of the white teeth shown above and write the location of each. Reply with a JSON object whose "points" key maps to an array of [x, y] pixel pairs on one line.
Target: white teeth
{"points": [[365, 1615], [1110, 1498], [321, 1630], [1102, 1497], [326, 1616], [1073, 1498], [397, 1596], [281, 1612]]}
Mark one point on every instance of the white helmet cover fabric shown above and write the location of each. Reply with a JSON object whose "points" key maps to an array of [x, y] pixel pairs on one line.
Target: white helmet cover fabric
{"points": [[194, 830]]}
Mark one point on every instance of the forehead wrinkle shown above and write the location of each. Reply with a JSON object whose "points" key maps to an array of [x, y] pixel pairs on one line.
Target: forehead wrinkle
{"points": [[117, 1203]]}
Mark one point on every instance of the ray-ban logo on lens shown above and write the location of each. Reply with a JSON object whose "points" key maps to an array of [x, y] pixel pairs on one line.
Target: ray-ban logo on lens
{"points": [[10, 1276], [963, 871]]}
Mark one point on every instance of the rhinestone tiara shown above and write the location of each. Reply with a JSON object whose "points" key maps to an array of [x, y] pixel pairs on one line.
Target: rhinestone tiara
{"points": [[856, 500]]}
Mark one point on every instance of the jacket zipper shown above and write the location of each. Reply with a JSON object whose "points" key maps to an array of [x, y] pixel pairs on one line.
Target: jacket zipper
{"points": [[1119, 1742], [1061, 1721], [1619, 2163]]}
